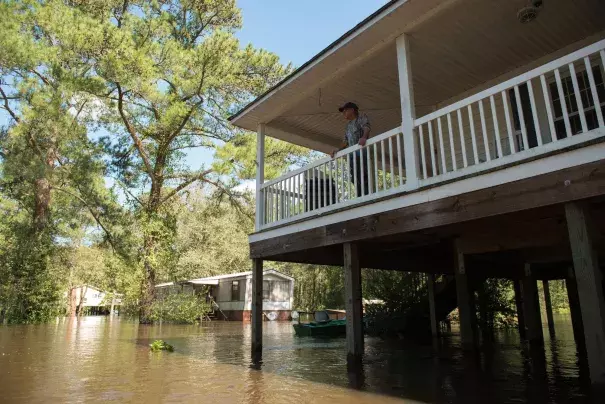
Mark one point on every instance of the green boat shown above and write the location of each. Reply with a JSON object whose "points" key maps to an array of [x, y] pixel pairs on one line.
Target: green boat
{"points": [[323, 326]]}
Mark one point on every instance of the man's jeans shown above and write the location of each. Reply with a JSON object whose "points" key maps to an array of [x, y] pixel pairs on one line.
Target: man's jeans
{"points": [[356, 164]]}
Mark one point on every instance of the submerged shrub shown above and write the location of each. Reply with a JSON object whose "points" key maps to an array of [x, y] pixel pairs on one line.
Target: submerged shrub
{"points": [[160, 345], [179, 308]]}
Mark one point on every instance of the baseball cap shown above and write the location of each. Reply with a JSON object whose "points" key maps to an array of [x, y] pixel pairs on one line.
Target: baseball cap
{"points": [[349, 105]]}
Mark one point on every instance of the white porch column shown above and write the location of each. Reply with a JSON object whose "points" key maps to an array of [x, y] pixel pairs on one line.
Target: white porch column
{"points": [[408, 113], [260, 175]]}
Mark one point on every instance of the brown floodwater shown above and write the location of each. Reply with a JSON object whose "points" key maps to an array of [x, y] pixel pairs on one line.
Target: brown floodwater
{"points": [[97, 359]]}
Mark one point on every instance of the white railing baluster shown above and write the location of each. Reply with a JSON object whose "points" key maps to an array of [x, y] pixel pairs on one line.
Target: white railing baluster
{"points": [[422, 152], [384, 170], [324, 186], [534, 112], [488, 155], [283, 200], [452, 148], [342, 174], [391, 162], [275, 203], [471, 122], [509, 124], [286, 199], [521, 118], [308, 189], [547, 103], [376, 166], [593, 90], [330, 185], [314, 187], [399, 162], [563, 103], [496, 126], [362, 172], [579, 103], [432, 151], [602, 53], [441, 146], [462, 141], [355, 179], [298, 194], [369, 169]]}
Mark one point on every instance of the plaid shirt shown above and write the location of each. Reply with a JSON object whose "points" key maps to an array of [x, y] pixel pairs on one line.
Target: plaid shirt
{"points": [[354, 130]]}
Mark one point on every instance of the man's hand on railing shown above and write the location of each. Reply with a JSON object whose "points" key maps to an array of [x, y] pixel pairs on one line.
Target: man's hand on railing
{"points": [[362, 141]]}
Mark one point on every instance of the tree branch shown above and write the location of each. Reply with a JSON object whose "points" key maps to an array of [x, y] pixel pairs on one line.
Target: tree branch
{"points": [[186, 183], [44, 79], [93, 214], [7, 106], [139, 145]]}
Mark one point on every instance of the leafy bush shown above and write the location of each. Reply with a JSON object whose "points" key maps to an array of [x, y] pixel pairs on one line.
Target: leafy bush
{"points": [[179, 308], [160, 345]]}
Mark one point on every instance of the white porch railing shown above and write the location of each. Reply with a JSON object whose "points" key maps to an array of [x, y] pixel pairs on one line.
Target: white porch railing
{"points": [[354, 175], [519, 119]]}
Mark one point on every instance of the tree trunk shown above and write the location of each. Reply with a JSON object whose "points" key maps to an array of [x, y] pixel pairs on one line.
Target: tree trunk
{"points": [[148, 286], [41, 204], [72, 302], [150, 245], [81, 302]]}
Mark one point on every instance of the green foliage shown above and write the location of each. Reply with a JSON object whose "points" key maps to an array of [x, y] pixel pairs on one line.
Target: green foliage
{"points": [[558, 296], [316, 287], [179, 308], [160, 345], [212, 237], [237, 158]]}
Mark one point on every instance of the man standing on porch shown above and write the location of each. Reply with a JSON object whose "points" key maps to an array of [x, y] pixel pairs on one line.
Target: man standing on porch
{"points": [[357, 132]]}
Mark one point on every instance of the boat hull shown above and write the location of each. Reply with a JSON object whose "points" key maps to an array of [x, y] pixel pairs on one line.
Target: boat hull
{"points": [[334, 328]]}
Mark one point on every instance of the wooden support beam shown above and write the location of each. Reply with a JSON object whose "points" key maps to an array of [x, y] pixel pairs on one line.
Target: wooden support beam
{"points": [[589, 282], [466, 302], [575, 312], [484, 324], [431, 295], [519, 305], [257, 310], [548, 306], [353, 303], [531, 307]]}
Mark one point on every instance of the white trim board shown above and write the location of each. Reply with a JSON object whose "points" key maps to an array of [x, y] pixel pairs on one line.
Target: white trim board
{"points": [[573, 158]]}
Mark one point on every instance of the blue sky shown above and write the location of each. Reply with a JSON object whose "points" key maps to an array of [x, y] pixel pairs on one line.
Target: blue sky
{"points": [[295, 31]]}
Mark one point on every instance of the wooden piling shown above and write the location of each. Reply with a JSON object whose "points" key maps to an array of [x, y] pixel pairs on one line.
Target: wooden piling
{"points": [[353, 303], [589, 283]]}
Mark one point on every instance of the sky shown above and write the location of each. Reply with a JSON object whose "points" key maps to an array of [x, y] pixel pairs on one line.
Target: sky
{"points": [[294, 30]]}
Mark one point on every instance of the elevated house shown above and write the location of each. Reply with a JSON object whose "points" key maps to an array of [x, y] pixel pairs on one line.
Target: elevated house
{"points": [[92, 300], [486, 157], [232, 294]]}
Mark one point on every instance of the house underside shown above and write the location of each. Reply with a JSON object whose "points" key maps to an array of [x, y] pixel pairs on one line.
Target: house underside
{"points": [[486, 157]]}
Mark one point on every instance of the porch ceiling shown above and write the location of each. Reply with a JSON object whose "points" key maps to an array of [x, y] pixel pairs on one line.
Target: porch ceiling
{"points": [[457, 46]]}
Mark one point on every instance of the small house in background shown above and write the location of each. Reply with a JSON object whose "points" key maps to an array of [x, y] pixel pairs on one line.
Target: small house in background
{"points": [[87, 299], [233, 293]]}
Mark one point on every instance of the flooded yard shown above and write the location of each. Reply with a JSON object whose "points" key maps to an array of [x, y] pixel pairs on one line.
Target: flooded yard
{"points": [[98, 359]]}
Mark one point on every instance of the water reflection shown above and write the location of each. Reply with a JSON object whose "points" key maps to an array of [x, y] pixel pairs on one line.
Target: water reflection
{"points": [[97, 359]]}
